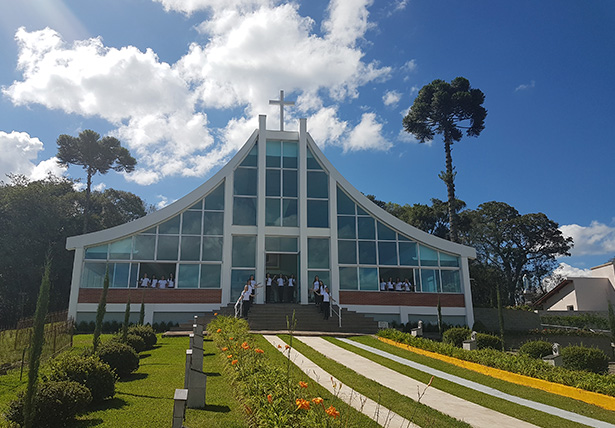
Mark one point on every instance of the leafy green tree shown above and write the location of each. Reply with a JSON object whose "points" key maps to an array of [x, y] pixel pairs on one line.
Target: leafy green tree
{"points": [[447, 109], [94, 155], [36, 346], [100, 312], [514, 245]]}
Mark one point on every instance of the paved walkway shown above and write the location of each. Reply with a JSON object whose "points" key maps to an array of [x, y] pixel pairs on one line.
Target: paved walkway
{"points": [[474, 414], [369, 407], [485, 389]]}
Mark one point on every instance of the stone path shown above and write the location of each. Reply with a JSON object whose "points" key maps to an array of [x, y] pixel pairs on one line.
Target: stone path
{"points": [[369, 407], [474, 414], [485, 389]]}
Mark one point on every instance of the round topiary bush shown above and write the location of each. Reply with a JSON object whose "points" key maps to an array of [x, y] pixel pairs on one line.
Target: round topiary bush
{"points": [[536, 349], [88, 371], [146, 332], [121, 357], [55, 404], [582, 358], [135, 342], [456, 335], [488, 341]]}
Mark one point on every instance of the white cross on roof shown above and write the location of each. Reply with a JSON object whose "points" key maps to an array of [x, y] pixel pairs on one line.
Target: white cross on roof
{"points": [[282, 103]]}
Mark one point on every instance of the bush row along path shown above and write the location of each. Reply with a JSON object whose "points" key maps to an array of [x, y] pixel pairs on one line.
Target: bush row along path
{"points": [[456, 407]]}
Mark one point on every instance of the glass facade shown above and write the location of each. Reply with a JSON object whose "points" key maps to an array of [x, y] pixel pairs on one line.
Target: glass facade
{"points": [[281, 184]]}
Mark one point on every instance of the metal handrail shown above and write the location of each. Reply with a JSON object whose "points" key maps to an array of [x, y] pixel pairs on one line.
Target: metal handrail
{"points": [[333, 311], [238, 307]]}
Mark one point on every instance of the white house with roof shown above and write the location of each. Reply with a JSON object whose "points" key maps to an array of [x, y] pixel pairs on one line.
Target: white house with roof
{"points": [[279, 207]]}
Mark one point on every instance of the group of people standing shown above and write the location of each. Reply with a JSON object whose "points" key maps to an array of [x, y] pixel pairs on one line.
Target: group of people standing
{"points": [[397, 285], [280, 288], [322, 298], [154, 282]]}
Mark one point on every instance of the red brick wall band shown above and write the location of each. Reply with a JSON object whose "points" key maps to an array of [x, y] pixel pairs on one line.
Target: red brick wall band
{"points": [[395, 298], [150, 295]]}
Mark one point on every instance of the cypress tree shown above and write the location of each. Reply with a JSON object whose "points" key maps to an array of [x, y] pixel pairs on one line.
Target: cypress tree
{"points": [[100, 313], [126, 321]]}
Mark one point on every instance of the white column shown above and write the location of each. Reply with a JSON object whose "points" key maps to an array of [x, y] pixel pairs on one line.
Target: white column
{"points": [[303, 278], [334, 287], [260, 207], [227, 240], [467, 291], [75, 283]]}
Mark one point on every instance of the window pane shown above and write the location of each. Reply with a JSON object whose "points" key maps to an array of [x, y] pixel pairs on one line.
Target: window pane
{"points": [[134, 279], [387, 253], [317, 213], [317, 184], [213, 223], [238, 281], [347, 252], [119, 275], [274, 152], [144, 247], [429, 257], [273, 182], [278, 243], [244, 211], [245, 181], [188, 276], [93, 275], [401, 237], [289, 213], [346, 227], [312, 163], [191, 248], [290, 183], [318, 253], [430, 281], [215, 200], [272, 212], [345, 205], [367, 252], [97, 253], [367, 228], [407, 254], [385, 233], [450, 281], [244, 251], [348, 278], [167, 247], [289, 153], [368, 278], [120, 249], [251, 159], [448, 260], [197, 206], [191, 223], [210, 276], [169, 227], [361, 211], [150, 231], [212, 249]]}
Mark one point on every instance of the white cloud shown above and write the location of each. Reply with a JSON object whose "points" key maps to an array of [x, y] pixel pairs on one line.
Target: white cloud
{"points": [[367, 135], [19, 153], [347, 21], [99, 187], [526, 86], [163, 202], [391, 98], [597, 238], [410, 66], [325, 127], [562, 272], [190, 6]]}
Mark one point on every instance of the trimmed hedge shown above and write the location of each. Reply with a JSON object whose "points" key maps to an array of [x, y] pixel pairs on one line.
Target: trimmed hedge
{"points": [[121, 357], [536, 349], [456, 335], [146, 332], [604, 384], [135, 342], [55, 404], [582, 358], [90, 372], [488, 341]]}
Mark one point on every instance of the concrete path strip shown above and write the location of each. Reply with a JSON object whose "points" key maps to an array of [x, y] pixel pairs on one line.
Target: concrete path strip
{"points": [[475, 415], [565, 414], [380, 414]]}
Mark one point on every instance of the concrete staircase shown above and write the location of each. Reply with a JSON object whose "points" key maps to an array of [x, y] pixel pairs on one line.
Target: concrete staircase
{"points": [[273, 316]]}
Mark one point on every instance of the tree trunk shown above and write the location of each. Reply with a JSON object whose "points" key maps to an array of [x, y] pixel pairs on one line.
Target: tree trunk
{"points": [[86, 209], [449, 178]]}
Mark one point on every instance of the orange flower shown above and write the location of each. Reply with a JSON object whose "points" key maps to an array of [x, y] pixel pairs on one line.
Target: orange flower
{"points": [[303, 384], [234, 362], [244, 345], [219, 330], [286, 347], [269, 398], [259, 351], [230, 338], [302, 404], [229, 356], [225, 349], [317, 400], [332, 412], [215, 314], [279, 346]]}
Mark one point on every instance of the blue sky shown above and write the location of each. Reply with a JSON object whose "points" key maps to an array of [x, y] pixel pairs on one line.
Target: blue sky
{"points": [[181, 84]]}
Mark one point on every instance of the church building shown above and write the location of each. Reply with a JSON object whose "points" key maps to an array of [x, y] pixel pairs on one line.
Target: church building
{"points": [[278, 207]]}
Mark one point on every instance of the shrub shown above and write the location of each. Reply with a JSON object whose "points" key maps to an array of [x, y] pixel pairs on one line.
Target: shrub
{"points": [[90, 372], [135, 342], [55, 404], [121, 357], [485, 341], [456, 335], [146, 332], [587, 359], [536, 349]]}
